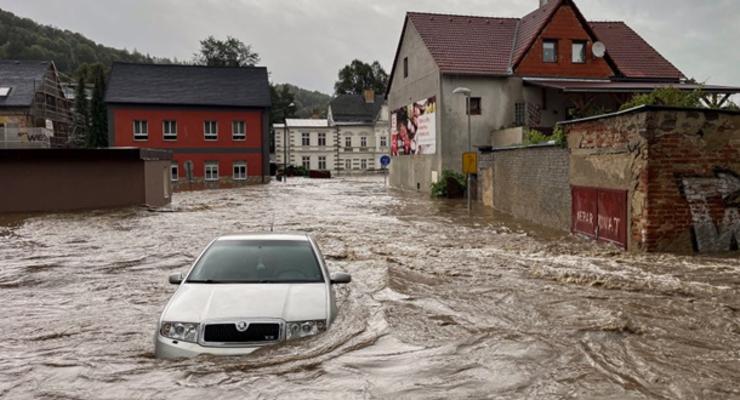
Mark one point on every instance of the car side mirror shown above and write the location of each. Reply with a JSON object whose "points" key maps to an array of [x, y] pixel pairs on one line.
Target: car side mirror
{"points": [[176, 279], [341, 278]]}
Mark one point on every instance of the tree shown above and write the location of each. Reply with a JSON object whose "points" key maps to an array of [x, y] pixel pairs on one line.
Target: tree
{"points": [[231, 52], [98, 134], [282, 97], [668, 96], [81, 117], [358, 76]]}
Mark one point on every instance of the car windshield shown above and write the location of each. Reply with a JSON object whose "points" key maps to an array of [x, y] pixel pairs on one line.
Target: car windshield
{"points": [[257, 261]]}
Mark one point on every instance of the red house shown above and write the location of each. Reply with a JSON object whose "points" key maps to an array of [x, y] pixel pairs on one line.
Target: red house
{"points": [[214, 119]]}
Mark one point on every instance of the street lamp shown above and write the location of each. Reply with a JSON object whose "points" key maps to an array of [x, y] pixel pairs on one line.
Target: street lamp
{"points": [[286, 110], [466, 92]]}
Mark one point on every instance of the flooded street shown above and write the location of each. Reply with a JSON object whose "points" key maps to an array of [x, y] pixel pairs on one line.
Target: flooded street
{"points": [[441, 305]]}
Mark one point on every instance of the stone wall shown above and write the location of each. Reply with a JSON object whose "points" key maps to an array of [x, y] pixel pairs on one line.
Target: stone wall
{"points": [[679, 166], [530, 183]]}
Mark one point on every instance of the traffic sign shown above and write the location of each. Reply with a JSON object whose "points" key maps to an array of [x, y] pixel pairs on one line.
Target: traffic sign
{"points": [[470, 162], [385, 160]]}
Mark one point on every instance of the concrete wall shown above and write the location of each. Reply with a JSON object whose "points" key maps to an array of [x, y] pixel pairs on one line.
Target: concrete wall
{"points": [[508, 137], [681, 168], [530, 183], [66, 179]]}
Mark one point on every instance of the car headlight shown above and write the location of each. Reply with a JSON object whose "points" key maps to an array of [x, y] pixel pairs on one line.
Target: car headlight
{"points": [[299, 329], [185, 331]]}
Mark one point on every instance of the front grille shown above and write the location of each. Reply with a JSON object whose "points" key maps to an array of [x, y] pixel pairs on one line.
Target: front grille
{"points": [[256, 332]]}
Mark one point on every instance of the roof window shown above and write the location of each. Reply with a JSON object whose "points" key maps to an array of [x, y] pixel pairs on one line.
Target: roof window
{"points": [[4, 91]]}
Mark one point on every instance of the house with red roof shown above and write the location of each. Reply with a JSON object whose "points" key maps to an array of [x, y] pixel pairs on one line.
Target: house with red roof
{"points": [[523, 73]]}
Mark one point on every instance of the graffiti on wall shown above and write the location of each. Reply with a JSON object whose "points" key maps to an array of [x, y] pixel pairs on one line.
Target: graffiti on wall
{"points": [[714, 203]]}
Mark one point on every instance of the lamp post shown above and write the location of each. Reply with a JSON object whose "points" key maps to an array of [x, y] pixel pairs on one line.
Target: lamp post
{"points": [[466, 92], [285, 141]]}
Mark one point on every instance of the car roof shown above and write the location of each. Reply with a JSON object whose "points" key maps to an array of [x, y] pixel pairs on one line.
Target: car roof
{"points": [[294, 236]]}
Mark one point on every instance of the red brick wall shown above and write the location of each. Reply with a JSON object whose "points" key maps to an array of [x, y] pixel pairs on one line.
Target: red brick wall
{"points": [[681, 169], [565, 27]]}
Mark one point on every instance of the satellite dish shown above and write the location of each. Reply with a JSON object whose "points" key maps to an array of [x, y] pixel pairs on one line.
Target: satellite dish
{"points": [[599, 49]]}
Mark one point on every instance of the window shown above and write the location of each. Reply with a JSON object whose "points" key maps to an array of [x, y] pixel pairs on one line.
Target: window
{"points": [[519, 114], [141, 130], [550, 51], [239, 130], [306, 139], [348, 141], [169, 130], [383, 141], [347, 164], [363, 164], [475, 106], [210, 130], [405, 67], [306, 162], [211, 171], [240, 171], [4, 91], [322, 163], [579, 52], [322, 139], [174, 172], [363, 141]]}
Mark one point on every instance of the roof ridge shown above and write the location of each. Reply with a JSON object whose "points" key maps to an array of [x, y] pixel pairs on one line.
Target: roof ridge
{"points": [[459, 15], [607, 22], [187, 65]]}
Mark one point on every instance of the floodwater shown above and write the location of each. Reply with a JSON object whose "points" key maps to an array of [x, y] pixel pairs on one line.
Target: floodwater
{"points": [[442, 306]]}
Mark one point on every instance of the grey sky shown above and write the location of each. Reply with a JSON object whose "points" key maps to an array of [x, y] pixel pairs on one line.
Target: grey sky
{"points": [[305, 42]]}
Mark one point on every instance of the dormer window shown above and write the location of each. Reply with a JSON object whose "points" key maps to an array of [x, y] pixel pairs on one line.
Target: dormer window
{"points": [[579, 52], [550, 51]]}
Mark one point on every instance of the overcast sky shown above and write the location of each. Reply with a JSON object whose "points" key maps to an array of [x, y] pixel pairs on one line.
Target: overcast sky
{"points": [[305, 42]]}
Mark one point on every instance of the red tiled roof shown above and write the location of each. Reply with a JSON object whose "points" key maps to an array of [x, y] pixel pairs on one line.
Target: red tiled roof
{"points": [[492, 46], [530, 26], [634, 57], [467, 45]]}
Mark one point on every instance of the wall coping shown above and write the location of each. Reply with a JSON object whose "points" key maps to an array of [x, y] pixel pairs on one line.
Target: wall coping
{"points": [[491, 149], [108, 154], [646, 108]]}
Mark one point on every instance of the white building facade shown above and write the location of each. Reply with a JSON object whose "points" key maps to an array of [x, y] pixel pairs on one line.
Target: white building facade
{"points": [[351, 141]]}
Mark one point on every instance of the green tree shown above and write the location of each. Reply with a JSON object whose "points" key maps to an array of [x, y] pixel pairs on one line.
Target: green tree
{"points": [[98, 134], [358, 76], [81, 115], [668, 96], [231, 52]]}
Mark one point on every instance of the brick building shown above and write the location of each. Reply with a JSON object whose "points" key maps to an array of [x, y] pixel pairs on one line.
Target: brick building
{"points": [[214, 119], [523, 73]]}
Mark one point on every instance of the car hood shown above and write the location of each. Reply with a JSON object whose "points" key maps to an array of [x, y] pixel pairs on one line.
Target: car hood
{"points": [[290, 302]]}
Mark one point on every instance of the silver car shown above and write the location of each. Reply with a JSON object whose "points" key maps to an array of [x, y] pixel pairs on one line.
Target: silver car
{"points": [[248, 291]]}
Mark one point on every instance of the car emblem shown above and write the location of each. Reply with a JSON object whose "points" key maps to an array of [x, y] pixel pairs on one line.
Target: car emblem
{"points": [[242, 326]]}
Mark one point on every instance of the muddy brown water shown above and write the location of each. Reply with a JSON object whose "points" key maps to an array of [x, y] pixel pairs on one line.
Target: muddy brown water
{"points": [[441, 306]]}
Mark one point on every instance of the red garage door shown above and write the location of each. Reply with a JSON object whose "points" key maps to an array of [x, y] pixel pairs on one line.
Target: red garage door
{"points": [[600, 214]]}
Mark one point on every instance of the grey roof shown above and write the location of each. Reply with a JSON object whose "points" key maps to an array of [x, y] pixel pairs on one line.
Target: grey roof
{"points": [[353, 108], [188, 85], [23, 77]]}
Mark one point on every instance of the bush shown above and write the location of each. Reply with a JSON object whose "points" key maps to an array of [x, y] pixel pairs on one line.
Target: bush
{"points": [[441, 189], [669, 96], [536, 137]]}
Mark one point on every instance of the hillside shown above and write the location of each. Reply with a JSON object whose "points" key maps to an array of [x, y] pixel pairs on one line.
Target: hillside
{"points": [[22, 38], [309, 104]]}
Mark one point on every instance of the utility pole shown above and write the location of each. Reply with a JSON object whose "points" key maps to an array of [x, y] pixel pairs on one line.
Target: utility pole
{"points": [[466, 92]]}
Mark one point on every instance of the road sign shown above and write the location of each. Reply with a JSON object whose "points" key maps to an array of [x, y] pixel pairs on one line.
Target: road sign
{"points": [[385, 160], [470, 162]]}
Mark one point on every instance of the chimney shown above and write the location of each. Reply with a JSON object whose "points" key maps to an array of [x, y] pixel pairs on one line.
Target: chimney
{"points": [[543, 3], [369, 96]]}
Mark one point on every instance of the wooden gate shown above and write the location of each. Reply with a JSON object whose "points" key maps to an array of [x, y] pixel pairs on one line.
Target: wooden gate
{"points": [[600, 214]]}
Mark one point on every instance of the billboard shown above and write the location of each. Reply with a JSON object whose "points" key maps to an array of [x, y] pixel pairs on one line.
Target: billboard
{"points": [[414, 128]]}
